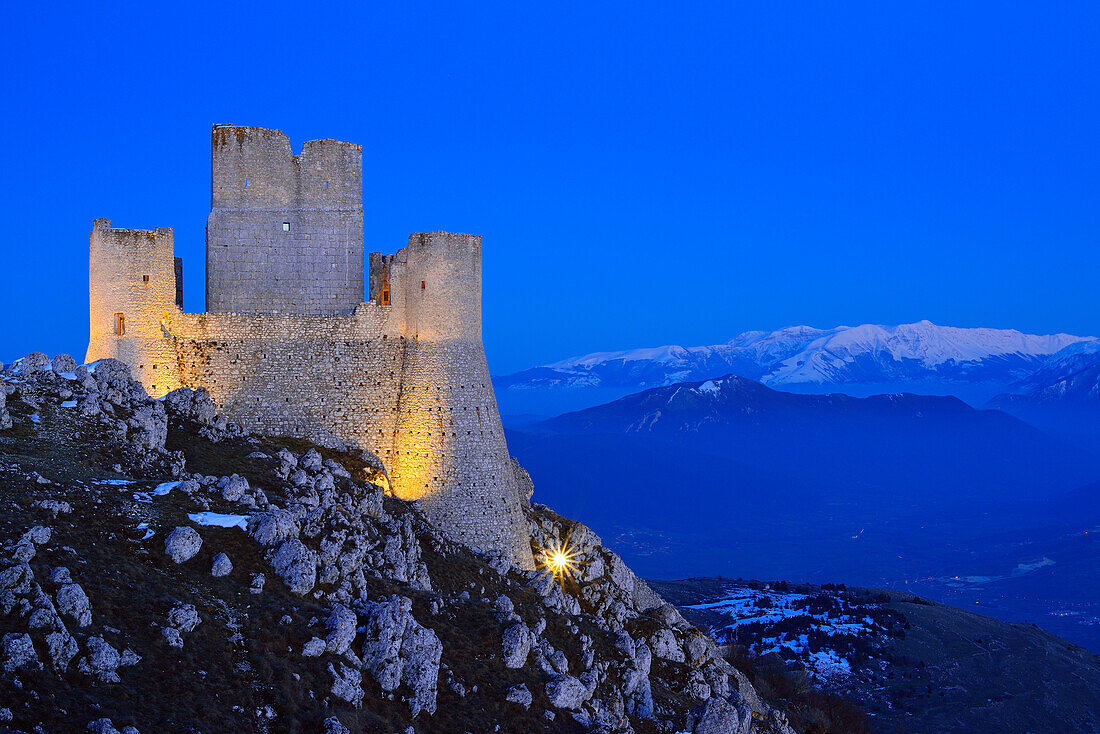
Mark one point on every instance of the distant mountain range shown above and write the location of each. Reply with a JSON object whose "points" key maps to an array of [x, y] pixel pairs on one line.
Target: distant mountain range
{"points": [[729, 476], [1062, 397], [972, 364]]}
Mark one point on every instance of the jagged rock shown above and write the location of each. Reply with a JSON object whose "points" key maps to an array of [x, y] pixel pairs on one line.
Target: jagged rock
{"points": [[347, 684], [61, 575], [172, 636], [519, 694], [747, 692], [18, 650], [32, 363], [719, 716], [182, 544], [23, 551], [664, 646], [128, 658], [398, 650], [313, 648], [233, 487], [222, 566], [566, 692], [101, 661], [62, 649], [341, 626], [272, 527], [297, 565], [184, 617], [194, 404], [310, 461], [334, 726], [38, 535], [288, 462], [73, 603], [516, 645]]}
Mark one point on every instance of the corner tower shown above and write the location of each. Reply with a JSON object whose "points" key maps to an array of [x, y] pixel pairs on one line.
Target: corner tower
{"points": [[285, 231], [132, 288], [449, 446]]}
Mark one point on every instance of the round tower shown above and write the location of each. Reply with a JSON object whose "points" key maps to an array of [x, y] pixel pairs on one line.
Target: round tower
{"points": [[131, 286], [450, 451]]}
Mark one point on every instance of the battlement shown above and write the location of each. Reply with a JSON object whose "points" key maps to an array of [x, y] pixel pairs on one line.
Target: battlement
{"points": [[254, 167]]}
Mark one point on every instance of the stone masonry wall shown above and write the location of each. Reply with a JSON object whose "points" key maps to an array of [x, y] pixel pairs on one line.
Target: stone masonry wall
{"points": [[285, 231]]}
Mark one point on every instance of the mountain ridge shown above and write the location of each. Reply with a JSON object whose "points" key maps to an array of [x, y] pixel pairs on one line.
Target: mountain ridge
{"points": [[972, 363]]}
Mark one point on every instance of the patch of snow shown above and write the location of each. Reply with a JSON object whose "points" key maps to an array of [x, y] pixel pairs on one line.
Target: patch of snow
{"points": [[35, 418], [220, 520], [68, 375], [68, 404], [162, 489], [114, 482], [709, 388]]}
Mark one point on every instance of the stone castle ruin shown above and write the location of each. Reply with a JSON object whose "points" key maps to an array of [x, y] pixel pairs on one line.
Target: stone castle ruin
{"points": [[291, 346]]}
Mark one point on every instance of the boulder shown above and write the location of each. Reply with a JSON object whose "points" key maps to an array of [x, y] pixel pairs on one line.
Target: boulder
{"points": [[182, 544], [399, 650], [272, 527], [516, 645], [341, 626], [719, 716], [313, 648], [297, 565], [222, 566], [184, 617], [566, 692], [233, 487], [18, 651], [347, 683], [64, 363], [101, 661], [519, 694], [73, 603]]}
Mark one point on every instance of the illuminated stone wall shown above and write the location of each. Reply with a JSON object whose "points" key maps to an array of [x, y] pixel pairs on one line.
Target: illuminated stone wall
{"points": [[406, 380], [131, 272]]}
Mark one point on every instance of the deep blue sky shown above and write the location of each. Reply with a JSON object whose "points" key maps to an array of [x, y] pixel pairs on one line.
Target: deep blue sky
{"points": [[642, 173]]}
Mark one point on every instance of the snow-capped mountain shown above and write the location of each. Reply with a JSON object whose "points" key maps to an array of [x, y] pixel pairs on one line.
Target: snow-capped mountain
{"points": [[973, 364]]}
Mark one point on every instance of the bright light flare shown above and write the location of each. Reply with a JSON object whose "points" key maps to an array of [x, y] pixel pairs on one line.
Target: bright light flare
{"points": [[559, 560]]}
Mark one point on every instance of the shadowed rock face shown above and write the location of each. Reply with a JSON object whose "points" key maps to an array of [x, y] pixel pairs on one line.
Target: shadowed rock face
{"points": [[116, 584]]}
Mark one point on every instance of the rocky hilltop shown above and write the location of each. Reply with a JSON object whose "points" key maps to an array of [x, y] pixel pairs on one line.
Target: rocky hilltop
{"points": [[913, 665], [163, 571]]}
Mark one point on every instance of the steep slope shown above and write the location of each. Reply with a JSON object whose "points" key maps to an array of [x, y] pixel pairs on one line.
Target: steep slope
{"points": [[161, 571], [915, 665], [974, 364]]}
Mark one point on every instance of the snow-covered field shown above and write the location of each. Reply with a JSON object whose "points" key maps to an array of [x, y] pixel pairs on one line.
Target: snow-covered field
{"points": [[821, 630]]}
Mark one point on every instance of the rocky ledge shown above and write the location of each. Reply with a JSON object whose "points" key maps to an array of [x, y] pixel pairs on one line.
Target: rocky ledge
{"points": [[163, 571]]}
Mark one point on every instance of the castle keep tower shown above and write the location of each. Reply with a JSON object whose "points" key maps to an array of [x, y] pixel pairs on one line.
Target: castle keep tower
{"points": [[288, 346], [285, 231]]}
